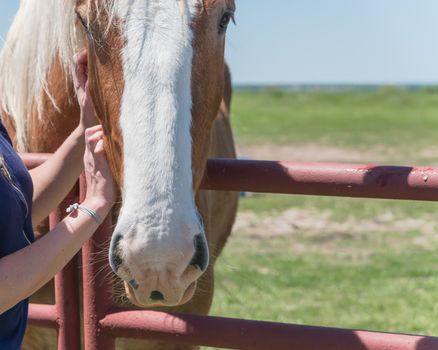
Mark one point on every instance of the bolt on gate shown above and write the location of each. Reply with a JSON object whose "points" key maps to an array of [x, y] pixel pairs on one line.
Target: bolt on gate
{"points": [[104, 322]]}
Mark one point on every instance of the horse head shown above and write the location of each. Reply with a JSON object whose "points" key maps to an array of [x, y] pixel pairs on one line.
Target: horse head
{"points": [[156, 73]]}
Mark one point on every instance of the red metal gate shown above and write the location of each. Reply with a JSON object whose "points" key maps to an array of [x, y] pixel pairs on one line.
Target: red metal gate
{"points": [[103, 322]]}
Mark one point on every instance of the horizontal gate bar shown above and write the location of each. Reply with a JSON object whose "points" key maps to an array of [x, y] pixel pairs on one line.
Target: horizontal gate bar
{"points": [[253, 335], [43, 316], [326, 179], [323, 179]]}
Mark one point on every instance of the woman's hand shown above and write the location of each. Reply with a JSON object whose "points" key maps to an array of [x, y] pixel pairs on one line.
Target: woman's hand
{"points": [[100, 182], [88, 114]]}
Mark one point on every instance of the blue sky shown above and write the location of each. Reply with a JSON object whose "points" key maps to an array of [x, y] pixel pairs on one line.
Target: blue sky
{"points": [[321, 41]]}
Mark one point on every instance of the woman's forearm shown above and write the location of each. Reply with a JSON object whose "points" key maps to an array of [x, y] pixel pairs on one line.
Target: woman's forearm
{"points": [[55, 178], [24, 272]]}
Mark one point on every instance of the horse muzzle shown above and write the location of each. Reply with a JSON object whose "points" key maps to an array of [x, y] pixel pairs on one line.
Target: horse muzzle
{"points": [[158, 271]]}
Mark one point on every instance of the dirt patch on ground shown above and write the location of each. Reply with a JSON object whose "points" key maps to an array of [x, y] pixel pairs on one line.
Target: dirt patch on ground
{"points": [[296, 220], [315, 231]]}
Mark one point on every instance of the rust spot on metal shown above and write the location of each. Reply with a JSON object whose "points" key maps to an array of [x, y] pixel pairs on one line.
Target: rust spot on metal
{"points": [[383, 179]]}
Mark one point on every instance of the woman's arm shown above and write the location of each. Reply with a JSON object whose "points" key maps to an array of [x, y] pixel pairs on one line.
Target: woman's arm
{"points": [[25, 271], [55, 178]]}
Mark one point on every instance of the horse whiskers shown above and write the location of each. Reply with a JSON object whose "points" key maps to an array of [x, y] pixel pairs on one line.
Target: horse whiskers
{"points": [[104, 277], [93, 263], [119, 293], [104, 268], [100, 253], [202, 291], [122, 299], [103, 250], [118, 288], [103, 247], [98, 257], [107, 270]]}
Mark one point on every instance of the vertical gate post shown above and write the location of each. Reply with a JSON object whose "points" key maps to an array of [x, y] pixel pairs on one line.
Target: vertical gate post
{"points": [[97, 285], [67, 297]]}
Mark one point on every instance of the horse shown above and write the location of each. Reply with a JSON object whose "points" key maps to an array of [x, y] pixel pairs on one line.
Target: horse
{"points": [[162, 92]]}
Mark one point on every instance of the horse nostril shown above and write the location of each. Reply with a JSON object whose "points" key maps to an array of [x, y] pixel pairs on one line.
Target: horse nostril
{"points": [[134, 284], [200, 258], [115, 259], [157, 296]]}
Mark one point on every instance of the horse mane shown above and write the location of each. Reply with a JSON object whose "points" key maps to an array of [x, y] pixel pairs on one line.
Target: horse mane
{"points": [[42, 31]]}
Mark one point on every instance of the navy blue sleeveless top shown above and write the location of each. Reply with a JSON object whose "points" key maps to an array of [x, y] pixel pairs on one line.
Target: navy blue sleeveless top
{"points": [[16, 232]]}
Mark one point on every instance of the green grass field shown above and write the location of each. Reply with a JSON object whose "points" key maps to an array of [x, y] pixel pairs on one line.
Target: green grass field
{"points": [[389, 116], [353, 263]]}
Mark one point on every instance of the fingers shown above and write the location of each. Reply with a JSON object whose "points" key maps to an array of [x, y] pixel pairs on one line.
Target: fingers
{"points": [[90, 131], [94, 138], [100, 182], [99, 146], [81, 60], [81, 57], [81, 85]]}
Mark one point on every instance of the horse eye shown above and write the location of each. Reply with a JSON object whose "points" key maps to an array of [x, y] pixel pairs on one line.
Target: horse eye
{"points": [[84, 24], [225, 21]]}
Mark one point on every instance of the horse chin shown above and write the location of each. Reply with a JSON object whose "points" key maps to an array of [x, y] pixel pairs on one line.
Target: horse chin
{"points": [[188, 295]]}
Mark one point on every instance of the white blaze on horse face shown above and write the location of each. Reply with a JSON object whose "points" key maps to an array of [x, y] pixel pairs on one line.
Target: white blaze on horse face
{"points": [[159, 243]]}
